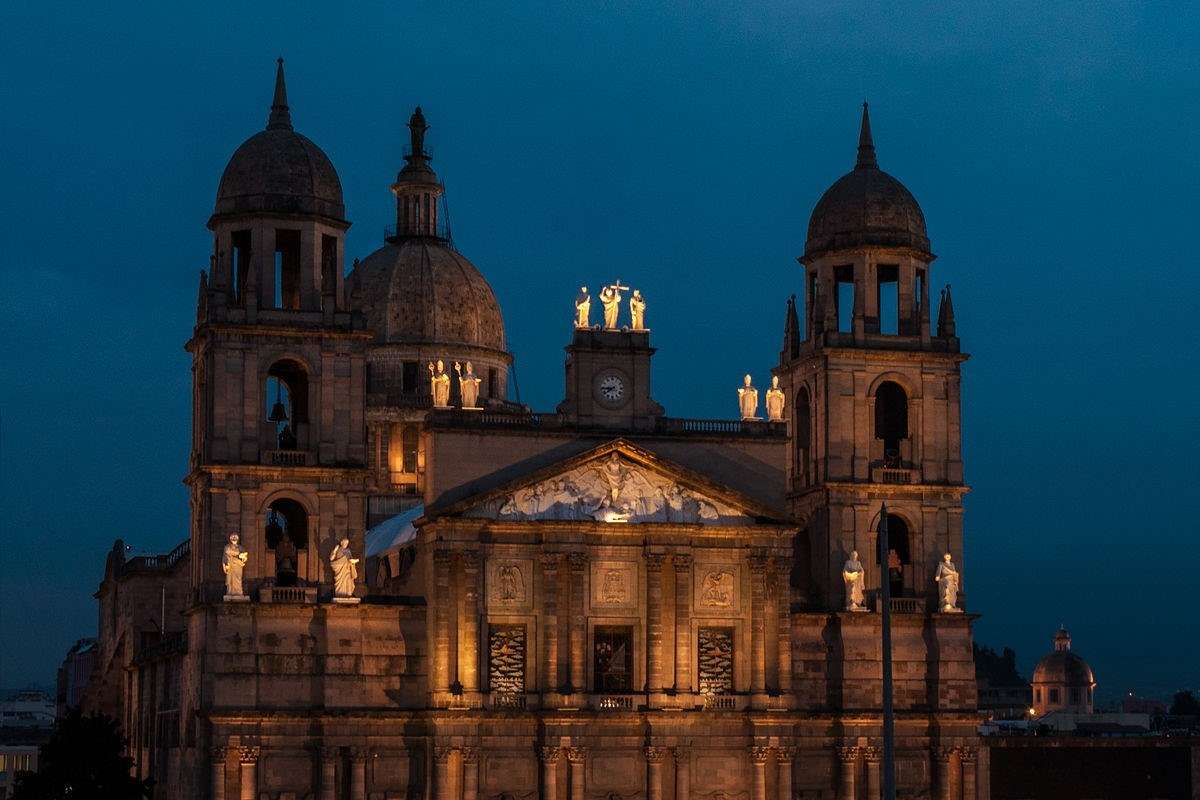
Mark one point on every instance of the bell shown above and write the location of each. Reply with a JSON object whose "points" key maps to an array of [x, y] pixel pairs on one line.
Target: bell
{"points": [[278, 413]]}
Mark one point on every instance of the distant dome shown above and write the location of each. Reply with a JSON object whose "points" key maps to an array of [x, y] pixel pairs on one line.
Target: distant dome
{"points": [[280, 171], [1064, 667], [422, 290], [866, 207]]}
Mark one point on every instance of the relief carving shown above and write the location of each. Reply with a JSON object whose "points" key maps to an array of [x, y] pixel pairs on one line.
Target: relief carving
{"points": [[507, 584], [717, 590]]}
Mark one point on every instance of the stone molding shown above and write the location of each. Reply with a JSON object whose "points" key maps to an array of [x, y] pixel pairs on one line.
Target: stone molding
{"points": [[549, 754], [847, 754], [248, 754], [682, 561], [655, 754], [759, 755], [576, 754]]}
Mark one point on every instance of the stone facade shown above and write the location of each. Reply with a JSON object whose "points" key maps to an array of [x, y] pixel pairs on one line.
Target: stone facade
{"points": [[606, 602]]}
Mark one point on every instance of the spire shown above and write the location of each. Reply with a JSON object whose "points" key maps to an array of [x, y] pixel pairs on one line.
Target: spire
{"points": [[791, 332], [866, 146], [417, 128], [280, 118], [945, 326]]}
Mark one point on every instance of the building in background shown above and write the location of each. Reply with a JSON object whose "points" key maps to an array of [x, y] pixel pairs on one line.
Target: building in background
{"points": [[26, 721], [74, 674], [1062, 680]]}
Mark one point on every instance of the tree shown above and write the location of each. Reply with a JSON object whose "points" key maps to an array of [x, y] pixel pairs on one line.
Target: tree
{"points": [[83, 760], [1185, 704]]}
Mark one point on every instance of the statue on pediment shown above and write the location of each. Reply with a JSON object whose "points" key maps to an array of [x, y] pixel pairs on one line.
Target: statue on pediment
{"points": [[748, 399], [583, 308], [233, 564], [439, 385], [948, 579], [637, 311], [775, 401], [852, 575], [468, 386]]}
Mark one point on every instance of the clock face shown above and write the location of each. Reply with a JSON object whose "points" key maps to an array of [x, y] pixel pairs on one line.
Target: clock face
{"points": [[610, 389]]}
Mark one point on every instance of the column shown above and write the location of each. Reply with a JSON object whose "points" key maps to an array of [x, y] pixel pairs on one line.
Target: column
{"points": [[217, 756], [758, 644], [786, 755], [945, 782], [654, 632], [441, 773], [848, 757], [872, 755], [550, 621], [783, 632], [248, 764], [329, 759], [549, 757], [966, 761], [358, 773], [579, 562], [441, 621], [654, 761], [468, 666], [683, 773], [758, 759], [470, 764], [683, 622], [577, 756]]}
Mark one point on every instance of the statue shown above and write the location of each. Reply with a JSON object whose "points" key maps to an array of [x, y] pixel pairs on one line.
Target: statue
{"points": [[637, 311], [775, 401], [852, 574], [342, 562], [468, 386], [948, 578], [439, 385], [610, 298], [233, 562], [583, 308], [748, 399]]}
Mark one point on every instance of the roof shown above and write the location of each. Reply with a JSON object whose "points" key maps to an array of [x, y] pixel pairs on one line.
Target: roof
{"points": [[393, 532], [1064, 667]]}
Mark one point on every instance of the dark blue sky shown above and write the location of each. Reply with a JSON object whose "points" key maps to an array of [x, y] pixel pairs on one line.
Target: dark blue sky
{"points": [[1052, 146]]}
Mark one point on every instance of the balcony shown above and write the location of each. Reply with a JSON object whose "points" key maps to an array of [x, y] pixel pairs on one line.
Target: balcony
{"points": [[894, 472], [288, 594], [903, 605], [614, 702], [508, 701], [720, 702], [286, 458]]}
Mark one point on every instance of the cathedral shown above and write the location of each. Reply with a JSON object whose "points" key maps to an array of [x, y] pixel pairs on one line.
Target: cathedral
{"points": [[400, 584]]}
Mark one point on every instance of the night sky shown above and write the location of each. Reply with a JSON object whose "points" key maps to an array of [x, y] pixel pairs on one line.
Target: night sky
{"points": [[1053, 147]]}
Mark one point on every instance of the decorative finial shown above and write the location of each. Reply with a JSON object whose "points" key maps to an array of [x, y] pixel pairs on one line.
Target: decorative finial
{"points": [[280, 118], [866, 147], [417, 128]]}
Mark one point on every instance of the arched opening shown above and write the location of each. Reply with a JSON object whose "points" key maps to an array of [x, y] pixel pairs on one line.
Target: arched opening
{"points": [[286, 534], [802, 431], [891, 420], [286, 402], [894, 564]]}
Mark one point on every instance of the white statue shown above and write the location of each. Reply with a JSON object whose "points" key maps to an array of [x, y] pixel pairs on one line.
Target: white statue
{"points": [[583, 308], [610, 298], [748, 399], [775, 401], [468, 386], [947, 578], [233, 562], [852, 574], [637, 311], [439, 385], [342, 562]]}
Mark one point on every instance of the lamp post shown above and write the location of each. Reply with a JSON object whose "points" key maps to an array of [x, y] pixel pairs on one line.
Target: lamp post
{"points": [[889, 735]]}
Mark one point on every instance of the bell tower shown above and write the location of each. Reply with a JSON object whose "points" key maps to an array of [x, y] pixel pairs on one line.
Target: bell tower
{"points": [[873, 394]]}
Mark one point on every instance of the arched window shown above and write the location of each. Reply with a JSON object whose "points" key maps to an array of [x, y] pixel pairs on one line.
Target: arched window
{"points": [[286, 534], [891, 419], [286, 401], [802, 431], [894, 563]]}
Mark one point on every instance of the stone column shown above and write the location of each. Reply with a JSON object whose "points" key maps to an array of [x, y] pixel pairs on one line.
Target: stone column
{"points": [[468, 667], [872, 755], [441, 772], [758, 643], [577, 756], [579, 562], [358, 773], [786, 756], [683, 622], [217, 756], [945, 779], [329, 759], [783, 632], [248, 763], [966, 762], [549, 757], [550, 621], [848, 756], [654, 761], [441, 620], [758, 759], [683, 773], [470, 764], [654, 632]]}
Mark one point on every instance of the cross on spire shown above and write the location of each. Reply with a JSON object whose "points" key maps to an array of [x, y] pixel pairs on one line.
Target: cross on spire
{"points": [[280, 118]]}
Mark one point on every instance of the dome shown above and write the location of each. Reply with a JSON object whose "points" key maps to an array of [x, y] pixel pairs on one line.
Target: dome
{"points": [[421, 290], [280, 171], [1064, 667], [866, 207]]}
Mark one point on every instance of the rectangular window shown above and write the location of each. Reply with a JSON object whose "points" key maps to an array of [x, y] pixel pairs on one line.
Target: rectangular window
{"points": [[918, 296], [844, 297], [410, 377], [1054, 695], [492, 388], [612, 663], [287, 269], [506, 658], [715, 657], [329, 261], [409, 444], [888, 296], [240, 266]]}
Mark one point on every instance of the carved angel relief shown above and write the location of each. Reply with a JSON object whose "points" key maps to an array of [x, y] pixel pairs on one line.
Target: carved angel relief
{"points": [[717, 590], [611, 490]]}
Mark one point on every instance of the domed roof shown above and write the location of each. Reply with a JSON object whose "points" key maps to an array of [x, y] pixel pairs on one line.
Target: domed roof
{"points": [[866, 207], [421, 290], [1063, 666], [279, 170]]}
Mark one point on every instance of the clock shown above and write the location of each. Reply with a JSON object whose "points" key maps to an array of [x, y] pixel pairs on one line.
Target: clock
{"points": [[611, 389]]}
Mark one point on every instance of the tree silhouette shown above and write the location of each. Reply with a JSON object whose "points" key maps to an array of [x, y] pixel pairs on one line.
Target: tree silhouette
{"points": [[83, 760], [1185, 704]]}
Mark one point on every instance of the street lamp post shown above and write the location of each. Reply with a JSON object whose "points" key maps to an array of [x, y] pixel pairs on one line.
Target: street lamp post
{"points": [[889, 734]]}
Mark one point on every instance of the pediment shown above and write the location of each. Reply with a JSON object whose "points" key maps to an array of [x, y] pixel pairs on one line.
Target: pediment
{"points": [[613, 487]]}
